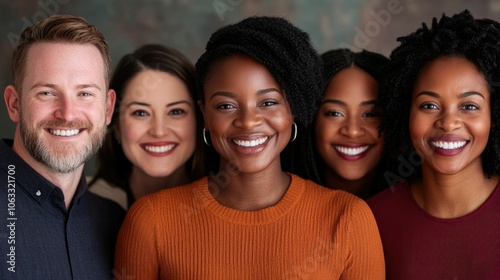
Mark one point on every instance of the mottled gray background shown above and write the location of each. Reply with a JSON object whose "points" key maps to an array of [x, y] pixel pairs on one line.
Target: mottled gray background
{"points": [[187, 24]]}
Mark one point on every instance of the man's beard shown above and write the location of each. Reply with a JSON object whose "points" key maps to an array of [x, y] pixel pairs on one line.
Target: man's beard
{"points": [[61, 156]]}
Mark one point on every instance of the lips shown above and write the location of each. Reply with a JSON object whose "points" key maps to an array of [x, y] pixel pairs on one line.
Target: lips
{"points": [[250, 143], [448, 145], [63, 128], [159, 149], [64, 132], [352, 152]]}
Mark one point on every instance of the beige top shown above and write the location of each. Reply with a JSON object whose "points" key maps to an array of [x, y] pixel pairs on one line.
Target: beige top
{"points": [[104, 189]]}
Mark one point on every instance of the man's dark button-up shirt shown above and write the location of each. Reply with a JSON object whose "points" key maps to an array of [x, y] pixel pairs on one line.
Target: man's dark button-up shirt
{"points": [[40, 238]]}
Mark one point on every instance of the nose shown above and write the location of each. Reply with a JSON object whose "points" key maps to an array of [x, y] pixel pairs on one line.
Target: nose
{"points": [[158, 127], [448, 121], [352, 128], [248, 118], [66, 108]]}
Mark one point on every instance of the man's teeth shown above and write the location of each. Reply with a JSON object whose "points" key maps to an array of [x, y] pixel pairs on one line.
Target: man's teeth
{"points": [[159, 149], [351, 151], [448, 145], [250, 143], [64, 132]]}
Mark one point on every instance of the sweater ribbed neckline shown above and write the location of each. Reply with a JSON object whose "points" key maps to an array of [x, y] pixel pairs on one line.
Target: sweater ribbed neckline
{"points": [[472, 215], [250, 218]]}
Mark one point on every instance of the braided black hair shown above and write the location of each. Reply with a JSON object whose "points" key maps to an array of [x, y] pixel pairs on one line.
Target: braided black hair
{"points": [[335, 61], [286, 51], [476, 40]]}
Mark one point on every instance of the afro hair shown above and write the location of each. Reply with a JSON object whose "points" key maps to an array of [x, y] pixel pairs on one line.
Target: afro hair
{"points": [[476, 40], [285, 50]]}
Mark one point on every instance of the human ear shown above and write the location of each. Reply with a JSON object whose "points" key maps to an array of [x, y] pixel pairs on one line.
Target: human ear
{"points": [[11, 97], [110, 105]]}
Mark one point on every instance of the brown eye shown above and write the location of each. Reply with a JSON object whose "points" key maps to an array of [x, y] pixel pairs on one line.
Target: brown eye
{"points": [[333, 114], [470, 107], [139, 113], [225, 106], [429, 106], [177, 112]]}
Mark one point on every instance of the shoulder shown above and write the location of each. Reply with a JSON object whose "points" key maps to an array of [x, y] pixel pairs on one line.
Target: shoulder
{"points": [[394, 194], [164, 209], [102, 188], [338, 201], [314, 189], [394, 203], [96, 203], [164, 200]]}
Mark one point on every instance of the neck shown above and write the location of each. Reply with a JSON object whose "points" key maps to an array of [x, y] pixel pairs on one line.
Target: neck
{"points": [[451, 196], [67, 182], [142, 184], [360, 187], [249, 192]]}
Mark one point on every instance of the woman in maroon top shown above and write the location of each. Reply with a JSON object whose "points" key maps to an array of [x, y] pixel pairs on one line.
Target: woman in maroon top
{"points": [[442, 118]]}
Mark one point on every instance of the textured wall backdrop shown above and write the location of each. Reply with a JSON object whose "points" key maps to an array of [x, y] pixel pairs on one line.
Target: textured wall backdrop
{"points": [[187, 24]]}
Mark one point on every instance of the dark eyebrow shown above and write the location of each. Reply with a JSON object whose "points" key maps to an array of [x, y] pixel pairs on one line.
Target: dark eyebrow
{"points": [[178, 102], [223, 93], [149, 105], [138, 103], [267, 90], [233, 95], [334, 101], [342, 103], [369, 102], [429, 93], [460, 96], [469, 93]]}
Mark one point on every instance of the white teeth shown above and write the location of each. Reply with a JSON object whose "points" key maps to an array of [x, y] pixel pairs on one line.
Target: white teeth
{"points": [[251, 143], [159, 149], [351, 151], [63, 132], [449, 145]]}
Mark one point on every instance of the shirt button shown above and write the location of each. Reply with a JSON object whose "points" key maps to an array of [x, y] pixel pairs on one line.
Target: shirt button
{"points": [[38, 193]]}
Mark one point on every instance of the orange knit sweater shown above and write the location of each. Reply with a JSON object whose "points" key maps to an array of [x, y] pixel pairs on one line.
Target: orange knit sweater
{"points": [[312, 233]]}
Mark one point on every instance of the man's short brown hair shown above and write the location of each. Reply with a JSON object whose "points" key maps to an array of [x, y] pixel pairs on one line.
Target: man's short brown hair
{"points": [[58, 28]]}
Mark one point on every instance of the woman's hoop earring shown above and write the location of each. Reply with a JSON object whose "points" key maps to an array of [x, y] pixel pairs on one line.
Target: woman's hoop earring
{"points": [[205, 137], [294, 128]]}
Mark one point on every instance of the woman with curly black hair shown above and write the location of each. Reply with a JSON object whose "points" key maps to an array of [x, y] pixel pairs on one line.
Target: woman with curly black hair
{"points": [[442, 106], [252, 219], [348, 145]]}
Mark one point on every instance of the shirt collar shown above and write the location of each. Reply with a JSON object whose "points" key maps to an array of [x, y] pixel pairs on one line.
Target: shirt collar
{"points": [[31, 181]]}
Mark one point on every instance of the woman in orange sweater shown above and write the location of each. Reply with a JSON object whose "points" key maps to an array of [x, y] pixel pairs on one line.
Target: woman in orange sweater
{"points": [[252, 220]]}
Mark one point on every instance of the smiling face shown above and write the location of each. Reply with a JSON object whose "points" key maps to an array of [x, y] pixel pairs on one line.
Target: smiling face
{"points": [[157, 125], [347, 125], [64, 107], [245, 110], [450, 115]]}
